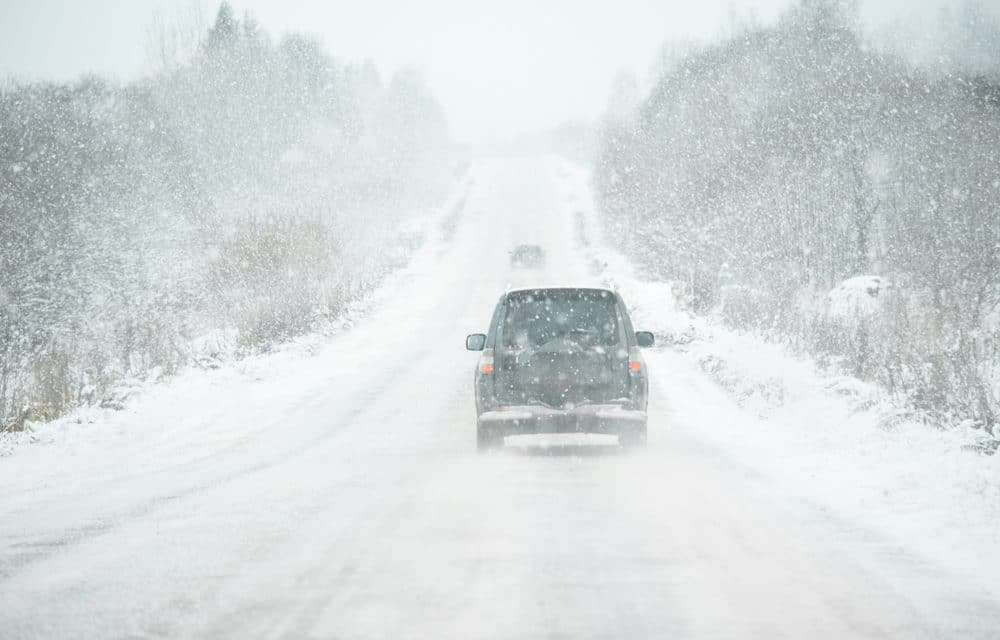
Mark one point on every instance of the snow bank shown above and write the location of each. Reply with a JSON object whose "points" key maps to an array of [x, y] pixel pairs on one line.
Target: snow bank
{"points": [[857, 297], [834, 447], [217, 360]]}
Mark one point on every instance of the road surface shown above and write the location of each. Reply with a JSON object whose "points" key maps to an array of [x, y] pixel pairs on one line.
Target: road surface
{"points": [[339, 495]]}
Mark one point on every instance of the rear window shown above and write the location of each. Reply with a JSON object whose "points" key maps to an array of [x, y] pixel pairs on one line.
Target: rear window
{"points": [[586, 318], [527, 251]]}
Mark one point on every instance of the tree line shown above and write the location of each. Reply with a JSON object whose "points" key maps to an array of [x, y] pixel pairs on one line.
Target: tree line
{"points": [[762, 172], [217, 201]]}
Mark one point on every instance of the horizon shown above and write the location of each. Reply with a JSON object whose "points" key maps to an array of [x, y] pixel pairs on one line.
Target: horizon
{"points": [[497, 73]]}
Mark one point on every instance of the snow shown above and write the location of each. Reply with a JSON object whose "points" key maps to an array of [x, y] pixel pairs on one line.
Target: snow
{"points": [[835, 447], [331, 488], [857, 297], [992, 320], [171, 401], [228, 280]]}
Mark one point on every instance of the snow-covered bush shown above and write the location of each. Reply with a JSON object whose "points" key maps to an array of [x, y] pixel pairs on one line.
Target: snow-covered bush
{"points": [[274, 280], [743, 306], [856, 299], [796, 158], [246, 189]]}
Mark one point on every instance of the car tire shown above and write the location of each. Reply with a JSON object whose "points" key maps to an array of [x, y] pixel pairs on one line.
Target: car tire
{"points": [[488, 439], [633, 439]]}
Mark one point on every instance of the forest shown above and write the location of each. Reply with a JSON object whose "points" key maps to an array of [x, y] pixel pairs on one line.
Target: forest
{"points": [[800, 182], [237, 197]]}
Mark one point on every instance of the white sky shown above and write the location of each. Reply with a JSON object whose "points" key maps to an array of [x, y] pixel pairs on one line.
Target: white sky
{"points": [[498, 67]]}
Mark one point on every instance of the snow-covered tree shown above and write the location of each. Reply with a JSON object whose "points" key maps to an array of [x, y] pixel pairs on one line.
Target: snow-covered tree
{"points": [[797, 156]]}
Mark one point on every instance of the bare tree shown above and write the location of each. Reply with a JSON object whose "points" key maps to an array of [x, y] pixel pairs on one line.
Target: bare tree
{"points": [[173, 38]]}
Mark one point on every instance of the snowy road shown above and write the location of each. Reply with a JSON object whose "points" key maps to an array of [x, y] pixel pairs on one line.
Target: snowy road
{"points": [[339, 495]]}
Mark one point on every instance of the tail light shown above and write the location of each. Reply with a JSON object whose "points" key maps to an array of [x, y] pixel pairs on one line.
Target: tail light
{"points": [[486, 382], [636, 380], [634, 363], [486, 361]]}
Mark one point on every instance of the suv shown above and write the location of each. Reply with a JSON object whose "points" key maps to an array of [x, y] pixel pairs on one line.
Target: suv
{"points": [[527, 256], [560, 360]]}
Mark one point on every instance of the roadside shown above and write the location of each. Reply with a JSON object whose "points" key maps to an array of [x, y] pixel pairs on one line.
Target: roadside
{"points": [[202, 380], [912, 499], [340, 494]]}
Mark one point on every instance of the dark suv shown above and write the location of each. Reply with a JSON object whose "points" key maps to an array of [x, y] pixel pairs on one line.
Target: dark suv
{"points": [[527, 256], [558, 361]]}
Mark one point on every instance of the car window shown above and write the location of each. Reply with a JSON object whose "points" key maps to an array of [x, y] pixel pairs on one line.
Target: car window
{"points": [[586, 319]]}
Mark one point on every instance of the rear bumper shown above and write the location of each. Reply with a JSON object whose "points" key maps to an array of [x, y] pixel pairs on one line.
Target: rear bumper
{"points": [[595, 418]]}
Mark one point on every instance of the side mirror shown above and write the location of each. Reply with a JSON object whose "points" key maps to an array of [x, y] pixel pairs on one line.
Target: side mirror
{"points": [[644, 338], [475, 341]]}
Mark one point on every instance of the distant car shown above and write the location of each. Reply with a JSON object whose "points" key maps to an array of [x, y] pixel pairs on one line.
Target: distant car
{"points": [[527, 256], [560, 360]]}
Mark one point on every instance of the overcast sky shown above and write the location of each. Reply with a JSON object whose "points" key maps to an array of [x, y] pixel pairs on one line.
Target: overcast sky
{"points": [[498, 67]]}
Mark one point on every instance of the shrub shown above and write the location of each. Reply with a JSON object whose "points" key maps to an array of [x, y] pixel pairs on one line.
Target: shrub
{"points": [[276, 278]]}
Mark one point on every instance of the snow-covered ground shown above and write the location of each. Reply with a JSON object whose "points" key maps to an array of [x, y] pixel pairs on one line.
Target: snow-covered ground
{"points": [[218, 353], [332, 489], [840, 451]]}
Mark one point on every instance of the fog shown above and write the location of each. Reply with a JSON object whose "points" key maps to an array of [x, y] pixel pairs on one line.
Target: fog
{"points": [[305, 110], [497, 68], [241, 242]]}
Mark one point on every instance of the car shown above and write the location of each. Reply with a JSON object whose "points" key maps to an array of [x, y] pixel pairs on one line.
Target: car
{"points": [[527, 256], [560, 360]]}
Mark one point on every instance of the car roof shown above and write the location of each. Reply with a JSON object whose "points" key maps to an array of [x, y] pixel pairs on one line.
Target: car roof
{"points": [[603, 288]]}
